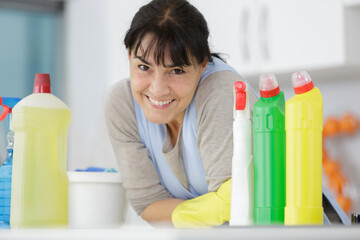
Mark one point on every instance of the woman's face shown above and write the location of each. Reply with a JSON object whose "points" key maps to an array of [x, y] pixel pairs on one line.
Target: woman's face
{"points": [[163, 92]]}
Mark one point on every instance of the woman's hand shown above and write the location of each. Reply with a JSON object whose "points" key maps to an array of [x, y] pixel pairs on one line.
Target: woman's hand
{"points": [[211, 209]]}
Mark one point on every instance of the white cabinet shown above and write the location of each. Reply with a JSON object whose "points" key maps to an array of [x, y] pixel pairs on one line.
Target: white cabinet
{"points": [[302, 34], [232, 25], [351, 3], [282, 36]]}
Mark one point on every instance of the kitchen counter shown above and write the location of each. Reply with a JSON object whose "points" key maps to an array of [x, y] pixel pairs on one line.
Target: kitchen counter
{"points": [[133, 232]]}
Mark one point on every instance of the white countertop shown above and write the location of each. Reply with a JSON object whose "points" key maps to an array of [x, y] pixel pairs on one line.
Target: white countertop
{"points": [[133, 232]]}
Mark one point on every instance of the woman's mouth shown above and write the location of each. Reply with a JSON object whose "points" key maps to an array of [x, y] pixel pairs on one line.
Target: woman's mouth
{"points": [[159, 104]]}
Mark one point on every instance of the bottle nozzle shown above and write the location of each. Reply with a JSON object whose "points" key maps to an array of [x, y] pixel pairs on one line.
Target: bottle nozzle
{"points": [[240, 98], [301, 82], [6, 111], [8, 104], [268, 86]]}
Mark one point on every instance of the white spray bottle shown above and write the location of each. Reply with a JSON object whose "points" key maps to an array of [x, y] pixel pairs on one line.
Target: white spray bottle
{"points": [[242, 189]]}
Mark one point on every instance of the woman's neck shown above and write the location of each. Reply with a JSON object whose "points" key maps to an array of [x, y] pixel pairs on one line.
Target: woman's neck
{"points": [[174, 128]]}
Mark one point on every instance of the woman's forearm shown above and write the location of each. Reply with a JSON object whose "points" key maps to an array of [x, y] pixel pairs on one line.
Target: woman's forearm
{"points": [[161, 211]]}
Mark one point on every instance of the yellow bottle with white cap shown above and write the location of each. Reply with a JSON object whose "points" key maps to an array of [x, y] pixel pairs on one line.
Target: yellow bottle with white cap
{"points": [[304, 124]]}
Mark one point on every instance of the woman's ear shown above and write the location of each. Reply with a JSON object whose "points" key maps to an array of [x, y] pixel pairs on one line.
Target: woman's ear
{"points": [[129, 54], [204, 65]]}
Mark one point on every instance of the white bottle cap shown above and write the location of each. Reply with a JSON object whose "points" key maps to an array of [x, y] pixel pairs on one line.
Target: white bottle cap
{"points": [[301, 82], [268, 86]]}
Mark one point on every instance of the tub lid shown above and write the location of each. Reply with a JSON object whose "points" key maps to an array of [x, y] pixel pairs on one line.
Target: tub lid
{"points": [[94, 177]]}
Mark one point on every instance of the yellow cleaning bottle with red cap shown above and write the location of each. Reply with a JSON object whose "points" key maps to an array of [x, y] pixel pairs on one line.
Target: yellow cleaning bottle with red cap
{"points": [[303, 125], [39, 193]]}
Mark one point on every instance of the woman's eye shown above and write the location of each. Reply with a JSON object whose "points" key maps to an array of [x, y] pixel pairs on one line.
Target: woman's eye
{"points": [[178, 71], [144, 67]]}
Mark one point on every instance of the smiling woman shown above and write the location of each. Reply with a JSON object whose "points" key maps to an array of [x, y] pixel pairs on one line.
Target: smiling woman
{"points": [[163, 91], [170, 123]]}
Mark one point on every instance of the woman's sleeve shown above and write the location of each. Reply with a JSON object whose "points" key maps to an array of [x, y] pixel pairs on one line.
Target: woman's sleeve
{"points": [[138, 174], [214, 103]]}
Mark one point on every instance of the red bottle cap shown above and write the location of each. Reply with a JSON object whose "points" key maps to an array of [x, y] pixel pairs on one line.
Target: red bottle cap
{"points": [[301, 82], [42, 83], [240, 101], [268, 85]]}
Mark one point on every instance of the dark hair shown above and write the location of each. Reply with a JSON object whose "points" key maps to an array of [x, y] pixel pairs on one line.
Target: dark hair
{"points": [[173, 25]]}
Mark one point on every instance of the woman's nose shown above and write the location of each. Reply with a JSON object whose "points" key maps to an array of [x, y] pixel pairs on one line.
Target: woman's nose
{"points": [[159, 85]]}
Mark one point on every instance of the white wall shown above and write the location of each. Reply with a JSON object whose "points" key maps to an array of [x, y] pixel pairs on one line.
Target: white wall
{"points": [[95, 58]]}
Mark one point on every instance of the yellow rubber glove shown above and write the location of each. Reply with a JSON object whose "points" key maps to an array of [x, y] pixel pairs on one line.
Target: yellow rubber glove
{"points": [[211, 209]]}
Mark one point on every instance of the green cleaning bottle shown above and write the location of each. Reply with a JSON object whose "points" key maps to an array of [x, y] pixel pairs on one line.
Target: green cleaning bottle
{"points": [[269, 153]]}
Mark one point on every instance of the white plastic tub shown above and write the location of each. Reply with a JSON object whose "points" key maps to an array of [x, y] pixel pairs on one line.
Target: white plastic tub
{"points": [[96, 200]]}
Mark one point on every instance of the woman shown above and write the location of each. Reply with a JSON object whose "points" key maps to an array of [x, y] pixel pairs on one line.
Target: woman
{"points": [[171, 123]]}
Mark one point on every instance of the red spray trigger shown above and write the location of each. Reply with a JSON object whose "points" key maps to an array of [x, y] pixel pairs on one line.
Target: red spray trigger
{"points": [[7, 104], [6, 110], [240, 101]]}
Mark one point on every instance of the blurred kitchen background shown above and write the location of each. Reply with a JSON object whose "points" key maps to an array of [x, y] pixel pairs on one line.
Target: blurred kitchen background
{"points": [[79, 42]]}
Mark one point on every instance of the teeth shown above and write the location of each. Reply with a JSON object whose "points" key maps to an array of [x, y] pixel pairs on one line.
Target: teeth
{"points": [[159, 103]]}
